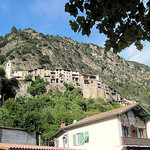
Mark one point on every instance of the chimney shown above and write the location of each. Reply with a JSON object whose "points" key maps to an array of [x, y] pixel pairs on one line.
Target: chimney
{"points": [[62, 124]]}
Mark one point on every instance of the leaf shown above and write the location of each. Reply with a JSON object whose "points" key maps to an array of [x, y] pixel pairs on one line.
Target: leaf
{"points": [[127, 19], [138, 45], [74, 25], [80, 19]]}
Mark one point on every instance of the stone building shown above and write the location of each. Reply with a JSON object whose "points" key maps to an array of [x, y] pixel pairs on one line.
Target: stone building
{"points": [[91, 85]]}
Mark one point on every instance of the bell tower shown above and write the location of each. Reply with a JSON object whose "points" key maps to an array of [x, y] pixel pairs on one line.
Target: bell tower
{"points": [[8, 69]]}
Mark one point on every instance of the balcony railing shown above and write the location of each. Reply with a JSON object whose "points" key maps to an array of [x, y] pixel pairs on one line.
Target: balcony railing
{"points": [[135, 141]]}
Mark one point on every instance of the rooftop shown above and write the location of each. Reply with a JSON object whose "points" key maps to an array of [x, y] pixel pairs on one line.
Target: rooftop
{"points": [[104, 115], [142, 112], [29, 147]]}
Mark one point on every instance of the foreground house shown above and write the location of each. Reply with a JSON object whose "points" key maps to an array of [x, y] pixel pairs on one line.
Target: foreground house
{"points": [[124, 128]]}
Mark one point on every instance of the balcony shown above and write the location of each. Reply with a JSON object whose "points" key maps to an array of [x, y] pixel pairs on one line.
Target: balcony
{"points": [[135, 141]]}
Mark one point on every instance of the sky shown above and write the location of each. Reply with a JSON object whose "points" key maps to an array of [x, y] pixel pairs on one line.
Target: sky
{"points": [[49, 17]]}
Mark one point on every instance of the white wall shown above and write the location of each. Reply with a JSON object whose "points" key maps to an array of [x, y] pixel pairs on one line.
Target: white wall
{"points": [[103, 135], [8, 69], [148, 128]]}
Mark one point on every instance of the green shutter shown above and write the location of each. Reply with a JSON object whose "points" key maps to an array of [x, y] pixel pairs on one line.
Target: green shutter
{"points": [[129, 132], [138, 133], [74, 140], [122, 131], [82, 138], [63, 144], [144, 132], [86, 137]]}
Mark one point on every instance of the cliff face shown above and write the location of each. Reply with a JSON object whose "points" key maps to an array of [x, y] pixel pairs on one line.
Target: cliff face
{"points": [[29, 50]]}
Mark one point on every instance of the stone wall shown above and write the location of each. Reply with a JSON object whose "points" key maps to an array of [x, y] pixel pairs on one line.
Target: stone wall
{"points": [[15, 136]]}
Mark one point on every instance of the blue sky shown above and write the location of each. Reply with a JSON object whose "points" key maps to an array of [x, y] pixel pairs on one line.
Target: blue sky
{"points": [[48, 17]]}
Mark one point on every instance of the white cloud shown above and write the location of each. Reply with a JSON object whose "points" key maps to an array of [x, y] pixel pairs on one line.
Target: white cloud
{"points": [[49, 8], [133, 54], [142, 57]]}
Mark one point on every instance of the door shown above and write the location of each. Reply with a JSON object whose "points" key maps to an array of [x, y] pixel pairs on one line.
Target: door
{"points": [[133, 131]]}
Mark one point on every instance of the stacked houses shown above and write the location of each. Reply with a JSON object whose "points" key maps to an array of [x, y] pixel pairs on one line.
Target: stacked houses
{"points": [[91, 85]]}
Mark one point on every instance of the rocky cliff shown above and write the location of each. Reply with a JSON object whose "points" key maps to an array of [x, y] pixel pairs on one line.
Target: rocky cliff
{"points": [[29, 50]]}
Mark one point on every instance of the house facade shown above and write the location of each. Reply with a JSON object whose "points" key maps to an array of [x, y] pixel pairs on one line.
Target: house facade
{"points": [[124, 128]]}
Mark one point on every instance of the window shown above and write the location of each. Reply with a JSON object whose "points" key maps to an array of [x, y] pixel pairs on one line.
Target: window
{"points": [[57, 143], [64, 141], [80, 138], [140, 133], [125, 132]]}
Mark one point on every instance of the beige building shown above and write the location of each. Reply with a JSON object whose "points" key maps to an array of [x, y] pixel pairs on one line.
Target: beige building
{"points": [[90, 84]]}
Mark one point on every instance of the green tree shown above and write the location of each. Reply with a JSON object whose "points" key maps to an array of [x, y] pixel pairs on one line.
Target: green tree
{"points": [[123, 22], [44, 114], [8, 88], [13, 29], [19, 30], [2, 59], [1, 38], [2, 72], [28, 78], [37, 87]]}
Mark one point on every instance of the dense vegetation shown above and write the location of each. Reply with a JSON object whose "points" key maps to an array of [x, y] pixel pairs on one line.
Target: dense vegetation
{"points": [[44, 113], [7, 87]]}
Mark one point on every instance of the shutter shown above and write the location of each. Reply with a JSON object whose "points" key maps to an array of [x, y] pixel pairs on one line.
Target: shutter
{"points": [[86, 137], [74, 140], [138, 133], [129, 132], [122, 132], [82, 138], [63, 144], [144, 132]]}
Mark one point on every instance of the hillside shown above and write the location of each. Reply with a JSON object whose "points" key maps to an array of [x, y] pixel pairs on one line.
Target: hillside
{"points": [[29, 50]]}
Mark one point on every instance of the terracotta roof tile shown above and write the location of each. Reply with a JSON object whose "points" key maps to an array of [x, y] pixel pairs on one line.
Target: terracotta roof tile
{"points": [[103, 115], [30, 147]]}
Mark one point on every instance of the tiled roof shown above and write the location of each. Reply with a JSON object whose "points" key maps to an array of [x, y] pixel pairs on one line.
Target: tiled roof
{"points": [[30, 147], [103, 115], [11, 128]]}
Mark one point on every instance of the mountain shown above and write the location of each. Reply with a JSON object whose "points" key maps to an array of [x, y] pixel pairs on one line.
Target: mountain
{"points": [[30, 50]]}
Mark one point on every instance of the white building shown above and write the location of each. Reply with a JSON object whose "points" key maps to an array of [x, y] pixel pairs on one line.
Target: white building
{"points": [[8, 69], [124, 128]]}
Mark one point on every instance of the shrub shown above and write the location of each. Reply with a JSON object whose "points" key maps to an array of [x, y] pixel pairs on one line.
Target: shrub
{"points": [[11, 57], [2, 59], [44, 59], [28, 78]]}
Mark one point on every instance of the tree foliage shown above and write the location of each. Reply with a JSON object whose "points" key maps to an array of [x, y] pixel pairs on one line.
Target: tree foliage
{"points": [[2, 59], [13, 29], [7, 86], [44, 113], [2, 72], [37, 87], [28, 78], [123, 22]]}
